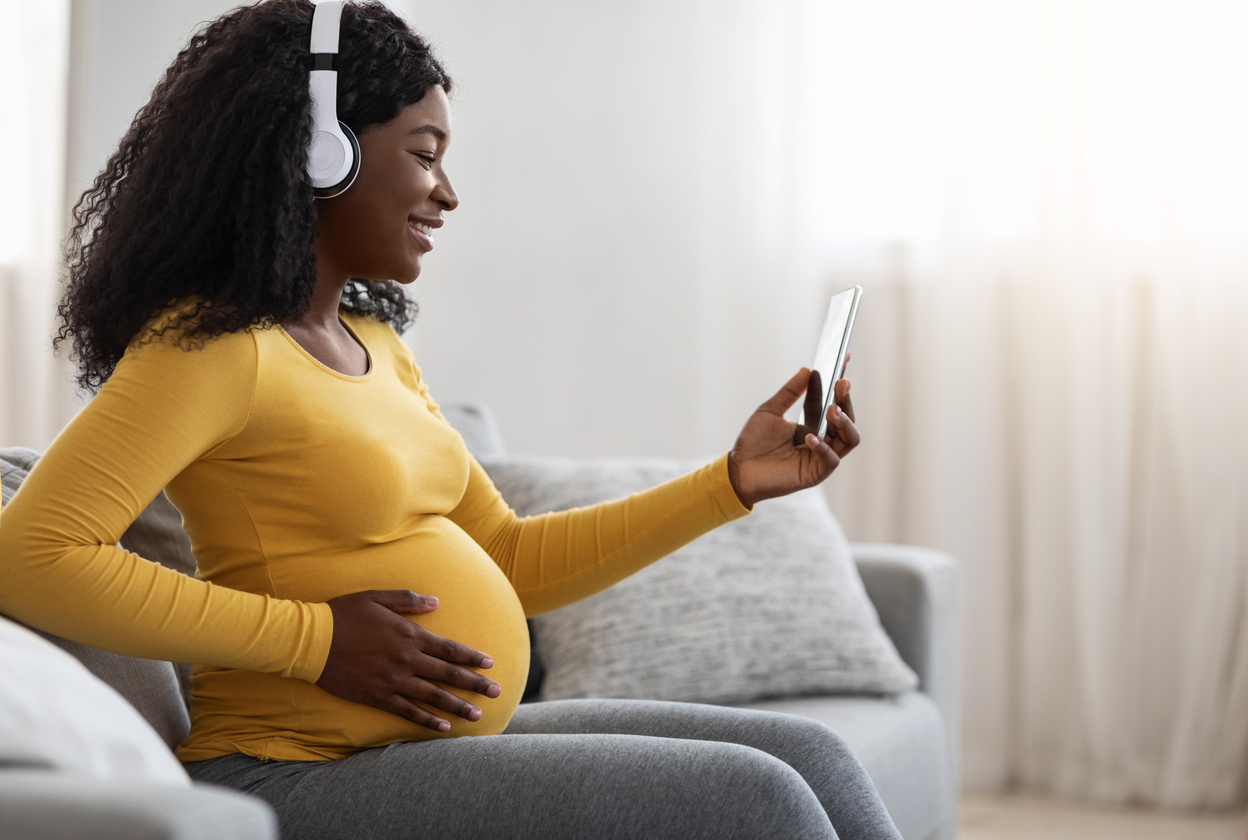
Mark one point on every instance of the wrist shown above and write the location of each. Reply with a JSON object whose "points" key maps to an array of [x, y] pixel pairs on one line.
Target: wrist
{"points": [[734, 478]]}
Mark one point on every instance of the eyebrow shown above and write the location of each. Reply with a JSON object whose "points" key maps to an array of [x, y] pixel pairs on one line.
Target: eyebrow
{"points": [[430, 129]]}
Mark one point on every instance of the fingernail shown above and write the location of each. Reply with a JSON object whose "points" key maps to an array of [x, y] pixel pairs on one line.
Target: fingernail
{"points": [[493, 691], [474, 715], [443, 726], [487, 663], [812, 441], [431, 600]]}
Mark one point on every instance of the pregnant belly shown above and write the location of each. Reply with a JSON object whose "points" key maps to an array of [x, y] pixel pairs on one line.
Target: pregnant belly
{"points": [[281, 718]]}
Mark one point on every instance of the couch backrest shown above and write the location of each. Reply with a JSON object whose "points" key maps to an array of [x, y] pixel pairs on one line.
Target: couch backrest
{"points": [[476, 426]]}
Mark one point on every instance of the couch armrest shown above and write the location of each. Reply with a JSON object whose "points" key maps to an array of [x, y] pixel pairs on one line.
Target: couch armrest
{"points": [[48, 805], [918, 595]]}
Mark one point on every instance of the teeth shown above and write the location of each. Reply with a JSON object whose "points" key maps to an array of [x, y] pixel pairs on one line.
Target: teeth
{"points": [[427, 230]]}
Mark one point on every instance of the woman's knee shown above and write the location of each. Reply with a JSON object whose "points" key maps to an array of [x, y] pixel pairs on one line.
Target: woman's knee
{"points": [[808, 731], [750, 793]]}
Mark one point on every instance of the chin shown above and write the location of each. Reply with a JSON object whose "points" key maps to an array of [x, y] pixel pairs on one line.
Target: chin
{"points": [[403, 276], [409, 274]]}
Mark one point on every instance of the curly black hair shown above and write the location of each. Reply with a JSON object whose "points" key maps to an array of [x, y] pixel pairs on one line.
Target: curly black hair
{"points": [[206, 199]]}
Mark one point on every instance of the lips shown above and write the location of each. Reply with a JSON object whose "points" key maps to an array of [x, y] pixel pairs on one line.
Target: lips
{"points": [[423, 233]]}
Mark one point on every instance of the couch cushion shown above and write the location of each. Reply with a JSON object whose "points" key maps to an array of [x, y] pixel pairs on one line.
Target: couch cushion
{"points": [[153, 687], [769, 605], [902, 743], [53, 713]]}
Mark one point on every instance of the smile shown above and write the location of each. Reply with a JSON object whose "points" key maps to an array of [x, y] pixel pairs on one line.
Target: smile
{"points": [[424, 233]]}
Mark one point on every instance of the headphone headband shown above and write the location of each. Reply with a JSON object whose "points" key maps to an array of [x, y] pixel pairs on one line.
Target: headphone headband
{"points": [[334, 153], [326, 21]]}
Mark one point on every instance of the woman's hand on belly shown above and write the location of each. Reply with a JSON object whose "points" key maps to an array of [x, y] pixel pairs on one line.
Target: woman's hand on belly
{"points": [[381, 659]]}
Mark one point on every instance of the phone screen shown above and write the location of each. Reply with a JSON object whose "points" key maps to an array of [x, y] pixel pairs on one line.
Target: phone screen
{"points": [[829, 365]]}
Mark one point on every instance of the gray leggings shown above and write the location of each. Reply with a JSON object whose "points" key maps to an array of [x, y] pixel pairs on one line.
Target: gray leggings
{"points": [[582, 769]]}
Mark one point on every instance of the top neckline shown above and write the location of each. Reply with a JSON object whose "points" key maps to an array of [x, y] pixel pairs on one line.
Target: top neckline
{"points": [[368, 373]]}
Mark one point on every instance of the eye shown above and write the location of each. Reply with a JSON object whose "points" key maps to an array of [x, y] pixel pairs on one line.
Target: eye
{"points": [[426, 159]]}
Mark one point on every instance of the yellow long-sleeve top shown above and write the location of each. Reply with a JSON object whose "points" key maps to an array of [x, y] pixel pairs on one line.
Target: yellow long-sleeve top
{"points": [[298, 484]]}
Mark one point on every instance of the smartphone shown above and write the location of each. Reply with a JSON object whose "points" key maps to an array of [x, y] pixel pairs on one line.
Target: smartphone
{"points": [[829, 364]]}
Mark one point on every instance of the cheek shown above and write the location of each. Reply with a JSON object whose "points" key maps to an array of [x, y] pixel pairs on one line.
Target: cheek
{"points": [[369, 222], [372, 217]]}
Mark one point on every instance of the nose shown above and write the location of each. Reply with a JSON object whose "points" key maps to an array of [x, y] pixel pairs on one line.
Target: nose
{"points": [[444, 194]]}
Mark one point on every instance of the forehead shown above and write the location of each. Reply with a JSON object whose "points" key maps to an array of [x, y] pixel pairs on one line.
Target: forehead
{"points": [[431, 116]]}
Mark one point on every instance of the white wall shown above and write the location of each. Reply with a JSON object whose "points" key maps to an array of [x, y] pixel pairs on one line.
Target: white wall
{"points": [[615, 164]]}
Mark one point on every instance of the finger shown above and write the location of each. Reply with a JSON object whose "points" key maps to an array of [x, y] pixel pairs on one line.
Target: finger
{"points": [[842, 433], [444, 672], [440, 698], [448, 651], [814, 399], [783, 399], [842, 398], [408, 710], [845, 366], [404, 601], [823, 452]]}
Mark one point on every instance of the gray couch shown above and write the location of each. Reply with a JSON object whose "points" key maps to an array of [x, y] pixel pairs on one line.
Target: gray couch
{"points": [[908, 742]]}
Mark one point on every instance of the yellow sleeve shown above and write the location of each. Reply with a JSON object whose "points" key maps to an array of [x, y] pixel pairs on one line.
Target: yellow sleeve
{"points": [[60, 567], [557, 558]]}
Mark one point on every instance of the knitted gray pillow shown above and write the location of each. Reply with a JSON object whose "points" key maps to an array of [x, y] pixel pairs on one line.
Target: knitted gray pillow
{"points": [[768, 606], [15, 464]]}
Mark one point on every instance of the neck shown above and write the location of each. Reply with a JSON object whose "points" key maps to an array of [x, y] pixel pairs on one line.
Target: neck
{"points": [[330, 282]]}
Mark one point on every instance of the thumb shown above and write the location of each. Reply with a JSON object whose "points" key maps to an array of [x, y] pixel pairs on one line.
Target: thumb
{"points": [[404, 600]]}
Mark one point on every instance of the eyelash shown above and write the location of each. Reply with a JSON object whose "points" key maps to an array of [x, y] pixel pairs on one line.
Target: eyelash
{"points": [[425, 159]]}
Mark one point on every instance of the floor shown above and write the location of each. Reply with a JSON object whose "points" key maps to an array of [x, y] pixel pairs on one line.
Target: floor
{"points": [[1027, 817]]}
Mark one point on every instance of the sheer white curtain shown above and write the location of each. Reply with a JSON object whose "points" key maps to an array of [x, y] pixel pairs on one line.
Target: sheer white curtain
{"points": [[1047, 202], [1055, 345], [35, 396]]}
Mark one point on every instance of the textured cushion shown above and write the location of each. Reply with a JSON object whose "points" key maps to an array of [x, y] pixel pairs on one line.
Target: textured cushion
{"points": [[769, 605], [155, 688], [54, 713], [15, 463]]}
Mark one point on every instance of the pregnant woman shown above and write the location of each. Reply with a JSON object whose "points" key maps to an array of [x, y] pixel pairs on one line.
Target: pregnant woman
{"points": [[244, 341]]}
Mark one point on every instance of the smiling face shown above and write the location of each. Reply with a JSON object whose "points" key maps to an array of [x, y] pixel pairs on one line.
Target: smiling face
{"points": [[382, 226]]}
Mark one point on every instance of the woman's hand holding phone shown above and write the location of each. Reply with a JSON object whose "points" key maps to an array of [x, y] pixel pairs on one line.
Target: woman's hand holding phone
{"points": [[765, 462]]}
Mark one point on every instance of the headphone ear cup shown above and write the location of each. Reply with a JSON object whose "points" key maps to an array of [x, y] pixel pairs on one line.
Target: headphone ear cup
{"points": [[327, 152]]}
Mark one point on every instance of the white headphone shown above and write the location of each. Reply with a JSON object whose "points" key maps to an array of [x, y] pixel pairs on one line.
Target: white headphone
{"points": [[334, 154]]}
